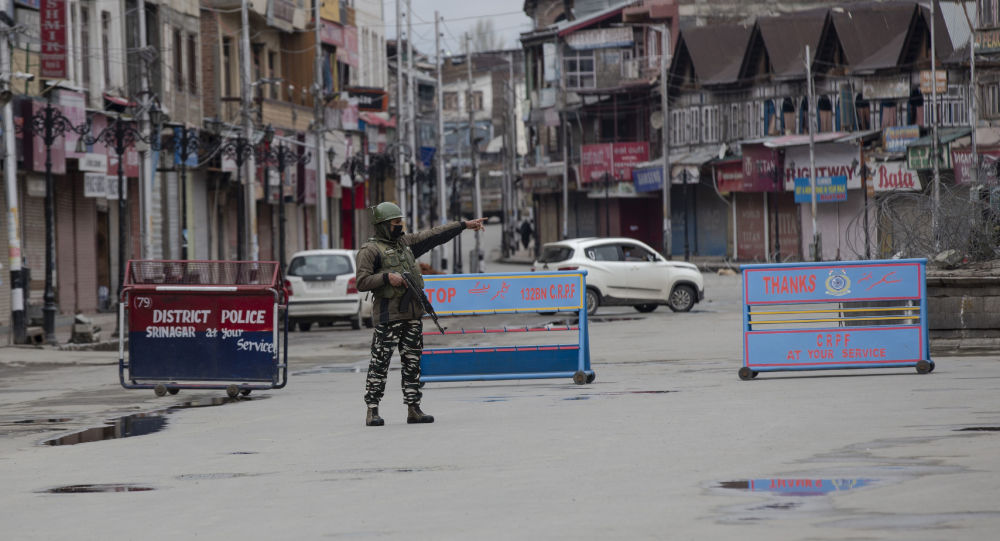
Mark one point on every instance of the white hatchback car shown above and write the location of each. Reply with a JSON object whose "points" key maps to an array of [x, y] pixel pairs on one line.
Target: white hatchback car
{"points": [[322, 288], [623, 271]]}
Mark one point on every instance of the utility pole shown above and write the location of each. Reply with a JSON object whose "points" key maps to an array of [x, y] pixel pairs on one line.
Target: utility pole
{"points": [[248, 231], [817, 246], [665, 108], [510, 146], [935, 209], [400, 156], [17, 320], [323, 221], [147, 155], [412, 110], [513, 153], [474, 265], [439, 158], [973, 106]]}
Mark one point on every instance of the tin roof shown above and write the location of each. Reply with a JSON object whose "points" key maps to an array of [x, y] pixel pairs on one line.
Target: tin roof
{"points": [[716, 52], [785, 37]]}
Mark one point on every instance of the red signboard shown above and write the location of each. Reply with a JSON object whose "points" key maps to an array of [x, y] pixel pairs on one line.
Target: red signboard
{"points": [[331, 33], [52, 18], [729, 176], [348, 54], [613, 159], [760, 164]]}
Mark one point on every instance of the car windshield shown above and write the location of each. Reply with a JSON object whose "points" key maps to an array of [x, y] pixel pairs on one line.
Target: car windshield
{"points": [[553, 254], [327, 266]]}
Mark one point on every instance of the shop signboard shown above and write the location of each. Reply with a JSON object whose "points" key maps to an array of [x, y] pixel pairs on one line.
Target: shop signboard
{"points": [[897, 138], [828, 190]]}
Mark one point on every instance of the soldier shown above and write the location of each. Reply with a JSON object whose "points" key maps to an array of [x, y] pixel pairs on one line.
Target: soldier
{"points": [[396, 313]]}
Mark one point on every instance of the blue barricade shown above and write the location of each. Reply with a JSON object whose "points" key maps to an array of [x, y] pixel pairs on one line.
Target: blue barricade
{"points": [[832, 315], [479, 294]]}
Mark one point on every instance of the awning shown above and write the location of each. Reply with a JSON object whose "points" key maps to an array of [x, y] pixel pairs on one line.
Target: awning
{"points": [[945, 136], [798, 140], [547, 178], [377, 120], [495, 145]]}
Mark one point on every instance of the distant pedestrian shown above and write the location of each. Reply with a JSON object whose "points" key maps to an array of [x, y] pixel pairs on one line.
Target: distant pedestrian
{"points": [[526, 232]]}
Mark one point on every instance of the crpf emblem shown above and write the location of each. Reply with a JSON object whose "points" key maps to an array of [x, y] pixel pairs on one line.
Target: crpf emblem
{"points": [[837, 283]]}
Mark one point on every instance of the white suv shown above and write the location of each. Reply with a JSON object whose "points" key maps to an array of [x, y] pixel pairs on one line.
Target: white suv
{"points": [[322, 288], [623, 271]]}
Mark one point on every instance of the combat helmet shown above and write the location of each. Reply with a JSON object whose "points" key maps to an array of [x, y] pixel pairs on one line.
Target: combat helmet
{"points": [[385, 211]]}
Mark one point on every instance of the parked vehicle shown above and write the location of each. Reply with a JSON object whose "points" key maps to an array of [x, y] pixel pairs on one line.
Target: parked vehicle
{"points": [[322, 288], [623, 271]]}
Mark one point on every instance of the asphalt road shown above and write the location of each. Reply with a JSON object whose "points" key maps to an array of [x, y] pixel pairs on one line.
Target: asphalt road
{"points": [[667, 443]]}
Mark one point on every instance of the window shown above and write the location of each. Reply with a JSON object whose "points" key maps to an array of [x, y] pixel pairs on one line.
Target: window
{"points": [[178, 61], [450, 101], [106, 46], [227, 67], [555, 254], [710, 124], [192, 51], [606, 252], [320, 267], [631, 252], [578, 67], [85, 45], [825, 107], [476, 101], [987, 13]]}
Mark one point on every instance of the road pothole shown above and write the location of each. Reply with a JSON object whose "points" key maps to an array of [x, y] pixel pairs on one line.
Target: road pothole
{"points": [[81, 489]]}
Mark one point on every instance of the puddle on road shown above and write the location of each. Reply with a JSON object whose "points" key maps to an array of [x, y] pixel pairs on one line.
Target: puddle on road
{"points": [[980, 429], [80, 489], [797, 487], [137, 424]]}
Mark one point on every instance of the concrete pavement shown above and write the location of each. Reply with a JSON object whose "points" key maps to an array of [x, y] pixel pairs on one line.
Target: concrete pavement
{"points": [[643, 453]]}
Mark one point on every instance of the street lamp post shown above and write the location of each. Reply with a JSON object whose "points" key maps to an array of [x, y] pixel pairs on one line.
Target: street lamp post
{"points": [[239, 149], [119, 136], [186, 143], [50, 124], [282, 156]]}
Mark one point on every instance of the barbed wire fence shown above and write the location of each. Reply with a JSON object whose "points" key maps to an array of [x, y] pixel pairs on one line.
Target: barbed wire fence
{"points": [[900, 225]]}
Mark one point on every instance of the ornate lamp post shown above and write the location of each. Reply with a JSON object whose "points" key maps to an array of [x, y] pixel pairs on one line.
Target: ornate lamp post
{"points": [[281, 156], [239, 149], [50, 124], [185, 144], [119, 136]]}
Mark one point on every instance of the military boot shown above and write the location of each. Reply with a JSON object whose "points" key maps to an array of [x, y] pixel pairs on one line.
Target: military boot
{"points": [[414, 415], [372, 419]]}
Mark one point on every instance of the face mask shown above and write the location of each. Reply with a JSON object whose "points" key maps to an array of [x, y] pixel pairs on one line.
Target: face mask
{"points": [[396, 231]]}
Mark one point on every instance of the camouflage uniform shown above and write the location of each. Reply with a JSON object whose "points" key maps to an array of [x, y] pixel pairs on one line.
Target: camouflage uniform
{"points": [[394, 310]]}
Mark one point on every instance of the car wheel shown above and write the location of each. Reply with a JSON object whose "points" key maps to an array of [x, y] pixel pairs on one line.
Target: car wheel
{"points": [[593, 301], [305, 326], [645, 308], [682, 298], [356, 323], [368, 322]]}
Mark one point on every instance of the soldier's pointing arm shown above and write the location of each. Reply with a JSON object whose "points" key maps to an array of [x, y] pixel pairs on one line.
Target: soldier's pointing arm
{"points": [[421, 243]]}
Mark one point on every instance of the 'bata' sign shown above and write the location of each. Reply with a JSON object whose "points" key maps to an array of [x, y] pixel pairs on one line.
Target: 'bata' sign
{"points": [[892, 176]]}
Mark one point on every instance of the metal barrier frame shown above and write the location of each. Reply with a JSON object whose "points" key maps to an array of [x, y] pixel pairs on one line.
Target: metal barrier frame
{"points": [[509, 362], [129, 379], [894, 342]]}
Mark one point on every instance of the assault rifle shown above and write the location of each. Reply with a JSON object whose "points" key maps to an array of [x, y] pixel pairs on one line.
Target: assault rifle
{"points": [[419, 293]]}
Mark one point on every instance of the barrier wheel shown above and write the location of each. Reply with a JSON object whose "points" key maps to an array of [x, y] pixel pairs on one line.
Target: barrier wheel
{"points": [[746, 374], [753, 374], [160, 389], [932, 366], [173, 390], [580, 377], [233, 391], [923, 367], [246, 392], [591, 377]]}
